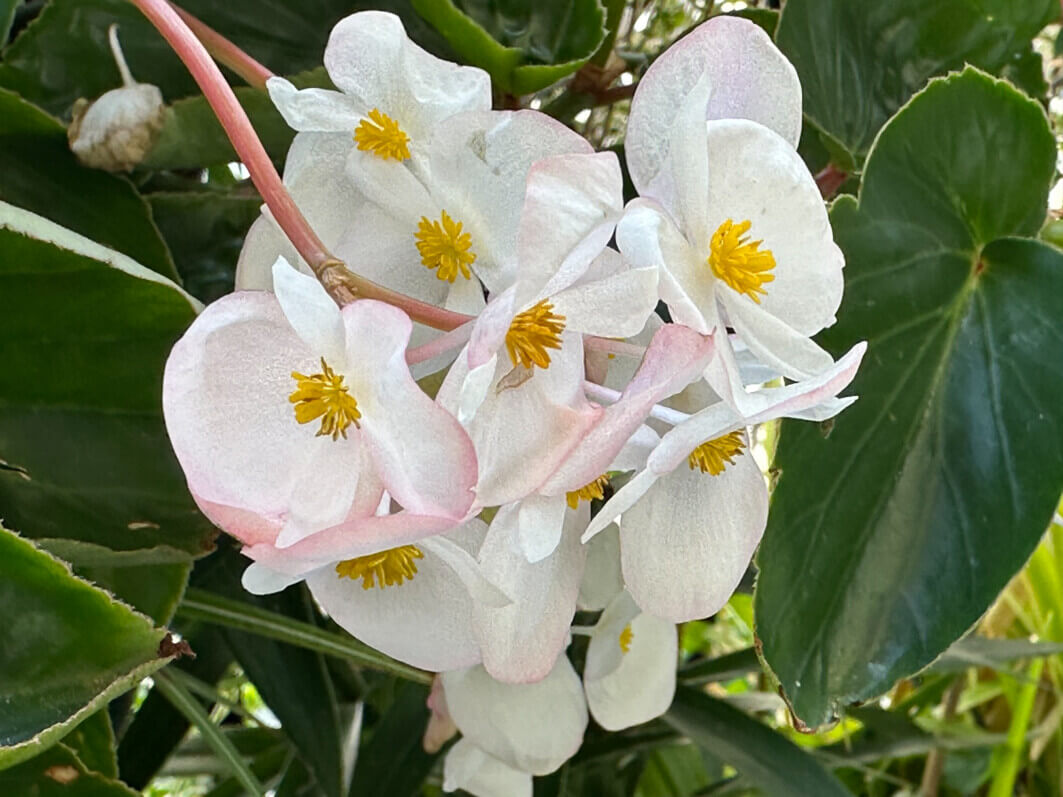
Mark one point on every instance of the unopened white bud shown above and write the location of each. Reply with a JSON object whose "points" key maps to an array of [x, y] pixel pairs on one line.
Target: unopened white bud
{"points": [[117, 130]]}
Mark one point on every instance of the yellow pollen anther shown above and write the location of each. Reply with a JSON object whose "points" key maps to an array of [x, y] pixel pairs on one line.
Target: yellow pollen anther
{"points": [[714, 456], [324, 396], [588, 492], [738, 261], [381, 135], [384, 569], [625, 638], [532, 333], [445, 247]]}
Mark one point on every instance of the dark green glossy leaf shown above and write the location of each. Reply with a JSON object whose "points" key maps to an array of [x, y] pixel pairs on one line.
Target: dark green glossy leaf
{"points": [[764, 758], [523, 46], [7, 16], [38, 172], [58, 772], [393, 763], [891, 535], [205, 232], [67, 650], [64, 54], [84, 334], [859, 62]]}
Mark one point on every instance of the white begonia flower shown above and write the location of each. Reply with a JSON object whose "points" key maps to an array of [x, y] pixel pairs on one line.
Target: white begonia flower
{"points": [[681, 556], [392, 93], [470, 769], [729, 210], [629, 675], [291, 417], [532, 728]]}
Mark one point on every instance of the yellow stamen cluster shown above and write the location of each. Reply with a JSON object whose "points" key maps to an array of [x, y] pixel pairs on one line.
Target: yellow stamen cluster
{"points": [[625, 638], [714, 456], [738, 261], [445, 247], [384, 569], [532, 333], [324, 396], [588, 492], [381, 135]]}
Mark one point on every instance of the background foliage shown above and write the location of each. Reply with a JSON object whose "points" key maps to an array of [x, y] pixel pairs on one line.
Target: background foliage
{"points": [[900, 638]]}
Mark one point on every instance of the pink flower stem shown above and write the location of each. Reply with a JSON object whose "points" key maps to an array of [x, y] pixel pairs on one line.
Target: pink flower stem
{"points": [[342, 285], [225, 52], [458, 336], [830, 179], [607, 395]]}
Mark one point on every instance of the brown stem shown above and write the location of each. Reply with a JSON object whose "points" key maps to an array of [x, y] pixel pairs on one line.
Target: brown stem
{"points": [[935, 760], [831, 178]]}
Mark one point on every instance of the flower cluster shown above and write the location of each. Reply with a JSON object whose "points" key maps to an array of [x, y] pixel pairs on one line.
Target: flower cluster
{"points": [[453, 495]]}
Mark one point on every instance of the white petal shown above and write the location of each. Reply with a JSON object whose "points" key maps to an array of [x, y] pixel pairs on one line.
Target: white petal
{"points": [[615, 306], [750, 79], [539, 522], [641, 688], [314, 316], [425, 622], [261, 580], [325, 487], [777, 345], [316, 110], [470, 769], [622, 500], [686, 545], [521, 642], [531, 727], [601, 577], [484, 590]]}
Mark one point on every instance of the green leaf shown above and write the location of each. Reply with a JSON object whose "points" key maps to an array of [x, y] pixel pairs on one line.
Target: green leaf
{"points": [[393, 763], [68, 649], [721, 668], [524, 46], [84, 335], [7, 16], [64, 54], [763, 757], [38, 172], [978, 651], [890, 535], [58, 772], [859, 62], [93, 743], [205, 232]]}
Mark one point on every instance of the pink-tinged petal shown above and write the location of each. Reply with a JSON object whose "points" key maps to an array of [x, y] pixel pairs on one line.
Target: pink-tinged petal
{"points": [[260, 580], [648, 238], [571, 206], [615, 306], [470, 769], [524, 429], [325, 488], [490, 328], [521, 642], [750, 79], [686, 545], [815, 395], [682, 184], [531, 727], [370, 58], [482, 589], [225, 401], [602, 580], [314, 316], [316, 110], [758, 177], [676, 356], [424, 621], [422, 453], [356, 536], [479, 168], [642, 684]]}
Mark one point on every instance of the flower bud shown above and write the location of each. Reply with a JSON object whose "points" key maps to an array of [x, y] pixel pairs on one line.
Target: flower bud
{"points": [[117, 130]]}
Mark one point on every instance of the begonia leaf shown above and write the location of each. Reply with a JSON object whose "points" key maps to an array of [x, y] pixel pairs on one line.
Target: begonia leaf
{"points": [[859, 62], [892, 531], [72, 648], [84, 334], [524, 46]]}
